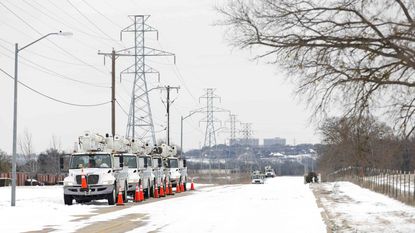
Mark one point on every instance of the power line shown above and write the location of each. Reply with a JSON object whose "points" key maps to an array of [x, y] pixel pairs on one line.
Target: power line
{"points": [[63, 23], [92, 23], [52, 98], [51, 72], [38, 32], [111, 21]]}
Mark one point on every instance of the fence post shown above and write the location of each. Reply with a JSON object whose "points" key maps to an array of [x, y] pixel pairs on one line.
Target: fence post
{"points": [[409, 186]]}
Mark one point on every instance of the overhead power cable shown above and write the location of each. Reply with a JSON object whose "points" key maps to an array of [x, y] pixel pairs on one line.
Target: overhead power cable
{"points": [[92, 23], [51, 72], [55, 18], [57, 46], [94, 9], [52, 98]]}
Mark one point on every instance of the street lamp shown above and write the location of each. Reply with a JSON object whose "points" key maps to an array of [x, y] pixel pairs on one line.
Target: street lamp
{"points": [[181, 131], [17, 50]]}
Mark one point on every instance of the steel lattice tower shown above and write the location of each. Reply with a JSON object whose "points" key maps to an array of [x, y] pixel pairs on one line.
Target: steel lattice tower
{"points": [[140, 120], [210, 133], [246, 132], [232, 127]]}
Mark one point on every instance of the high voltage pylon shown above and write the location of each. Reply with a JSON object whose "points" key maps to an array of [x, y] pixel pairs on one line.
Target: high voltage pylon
{"points": [[140, 120], [246, 132], [209, 110], [232, 128]]}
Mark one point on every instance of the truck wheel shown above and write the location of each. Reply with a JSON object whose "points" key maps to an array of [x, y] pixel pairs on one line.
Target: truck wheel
{"points": [[111, 197], [67, 199]]}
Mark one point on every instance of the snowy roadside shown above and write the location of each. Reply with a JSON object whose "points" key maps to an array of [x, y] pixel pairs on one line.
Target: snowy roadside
{"points": [[41, 208], [350, 208]]}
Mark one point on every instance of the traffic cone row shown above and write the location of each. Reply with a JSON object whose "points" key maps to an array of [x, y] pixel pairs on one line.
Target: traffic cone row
{"points": [[139, 194]]}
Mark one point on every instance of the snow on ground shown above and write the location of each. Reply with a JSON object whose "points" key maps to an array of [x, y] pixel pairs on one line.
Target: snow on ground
{"points": [[351, 208], [282, 204]]}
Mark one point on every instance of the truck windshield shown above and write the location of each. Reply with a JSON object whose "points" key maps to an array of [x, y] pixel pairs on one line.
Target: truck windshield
{"points": [[90, 161], [173, 163], [130, 161]]}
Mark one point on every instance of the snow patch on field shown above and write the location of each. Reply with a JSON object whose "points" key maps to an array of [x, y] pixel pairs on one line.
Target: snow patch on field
{"points": [[354, 209]]}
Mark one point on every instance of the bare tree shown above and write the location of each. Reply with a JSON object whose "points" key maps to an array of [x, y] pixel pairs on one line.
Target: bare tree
{"points": [[356, 54], [5, 162], [25, 144]]}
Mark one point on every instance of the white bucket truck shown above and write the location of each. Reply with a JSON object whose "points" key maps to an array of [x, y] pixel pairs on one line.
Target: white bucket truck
{"points": [[95, 171]]}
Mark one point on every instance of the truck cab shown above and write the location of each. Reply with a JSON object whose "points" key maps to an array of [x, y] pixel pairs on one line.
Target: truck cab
{"points": [[158, 170], [130, 161], [183, 171]]}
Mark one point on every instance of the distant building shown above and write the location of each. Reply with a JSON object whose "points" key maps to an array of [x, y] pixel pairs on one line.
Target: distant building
{"points": [[274, 141], [245, 142]]}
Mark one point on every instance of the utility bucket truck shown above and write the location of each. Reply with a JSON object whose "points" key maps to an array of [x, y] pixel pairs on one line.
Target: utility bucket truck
{"points": [[160, 177], [175, 167], [145, 170], [96, 170]]}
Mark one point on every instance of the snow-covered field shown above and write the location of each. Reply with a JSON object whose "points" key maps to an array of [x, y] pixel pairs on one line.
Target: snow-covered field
{"points": [[282, 204], [351, 208]]}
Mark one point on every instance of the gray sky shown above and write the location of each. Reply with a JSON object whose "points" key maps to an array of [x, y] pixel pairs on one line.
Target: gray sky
{"points": [[256, 92]]}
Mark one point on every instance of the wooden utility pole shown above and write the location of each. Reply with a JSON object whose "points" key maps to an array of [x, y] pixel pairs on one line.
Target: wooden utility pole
{"points": [[168, 88], [113, 56], [113, 93]]}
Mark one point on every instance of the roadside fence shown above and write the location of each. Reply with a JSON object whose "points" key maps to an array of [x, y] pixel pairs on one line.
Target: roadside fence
{"points": [[396, 184]]}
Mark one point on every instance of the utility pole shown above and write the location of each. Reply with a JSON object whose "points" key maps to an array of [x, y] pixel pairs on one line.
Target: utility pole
{"points": [[168, 88], [113, 56]]}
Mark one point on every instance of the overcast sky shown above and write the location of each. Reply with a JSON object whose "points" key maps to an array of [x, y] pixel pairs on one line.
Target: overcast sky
{"points": [[258, 93]]}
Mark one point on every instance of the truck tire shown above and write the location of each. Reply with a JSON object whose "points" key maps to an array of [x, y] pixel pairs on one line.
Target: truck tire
{"points": [[112, 196], [67, 199]]}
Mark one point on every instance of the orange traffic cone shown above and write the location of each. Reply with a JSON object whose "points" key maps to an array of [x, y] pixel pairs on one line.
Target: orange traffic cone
{"points": [[182, 188], [162, 191], [177, 188], [84, 185], [192, 186], [141, 193], [137, 196], [120, 201], [167, 189], [156, 192]]}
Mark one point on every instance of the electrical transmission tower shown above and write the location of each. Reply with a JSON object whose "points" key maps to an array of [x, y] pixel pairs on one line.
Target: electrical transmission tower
{"points": [[232, 128], [246, 132], [209, 110], [140, 120]]}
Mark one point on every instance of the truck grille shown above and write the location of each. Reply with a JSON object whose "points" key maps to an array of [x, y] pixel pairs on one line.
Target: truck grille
{"points": [[91, 179]]}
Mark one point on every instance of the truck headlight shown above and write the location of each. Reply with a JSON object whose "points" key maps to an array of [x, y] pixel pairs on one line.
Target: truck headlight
{"points": [[108, 182], [68, 183]]}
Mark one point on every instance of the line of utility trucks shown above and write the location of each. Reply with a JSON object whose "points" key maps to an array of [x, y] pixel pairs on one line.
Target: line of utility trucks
{"points": [[101, 167]]}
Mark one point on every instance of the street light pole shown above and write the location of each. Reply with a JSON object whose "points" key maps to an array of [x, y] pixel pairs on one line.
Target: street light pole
{"points": [[16, 56], [181, 130]]}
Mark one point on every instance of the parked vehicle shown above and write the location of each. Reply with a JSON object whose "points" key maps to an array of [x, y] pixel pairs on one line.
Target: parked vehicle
{"points": [[257, 178], [99, 166], [269, 172]]}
